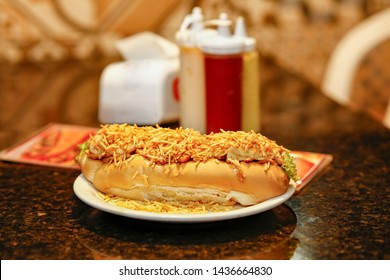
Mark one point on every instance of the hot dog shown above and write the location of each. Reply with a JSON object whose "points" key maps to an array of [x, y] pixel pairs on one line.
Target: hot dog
{"points": [[164, 164]]}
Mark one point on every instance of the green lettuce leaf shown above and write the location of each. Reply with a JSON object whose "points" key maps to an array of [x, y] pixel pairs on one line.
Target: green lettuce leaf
{"points": [[289, 167]]}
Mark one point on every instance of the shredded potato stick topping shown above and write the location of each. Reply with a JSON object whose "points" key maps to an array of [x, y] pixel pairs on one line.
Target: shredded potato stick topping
{"points": [[191, 207], [118, 142]]}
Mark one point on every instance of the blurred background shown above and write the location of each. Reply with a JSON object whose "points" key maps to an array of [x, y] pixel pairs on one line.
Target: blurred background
{"points": [[296, 35], [300, 34]]}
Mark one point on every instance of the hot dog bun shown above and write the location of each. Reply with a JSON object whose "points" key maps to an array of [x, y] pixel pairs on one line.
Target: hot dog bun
{"points": [[120, 160], [211, 181]]}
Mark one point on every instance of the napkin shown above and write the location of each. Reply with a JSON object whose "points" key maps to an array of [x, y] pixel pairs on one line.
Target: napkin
{"points": [[147, 45], [142, 89]]}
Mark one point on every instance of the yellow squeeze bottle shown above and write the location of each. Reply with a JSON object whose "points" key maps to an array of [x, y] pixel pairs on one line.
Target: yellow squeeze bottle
{"points": [[251, 114]]}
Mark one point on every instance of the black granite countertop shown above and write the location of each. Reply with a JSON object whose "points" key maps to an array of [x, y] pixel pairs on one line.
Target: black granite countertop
{"points": [[341, 214]]}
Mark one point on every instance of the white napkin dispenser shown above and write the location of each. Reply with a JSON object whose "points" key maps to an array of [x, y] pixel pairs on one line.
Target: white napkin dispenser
{"points": [[142, 90]]}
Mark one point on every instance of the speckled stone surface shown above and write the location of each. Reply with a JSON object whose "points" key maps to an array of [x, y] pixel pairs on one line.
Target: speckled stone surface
{"points": [[42, 218], [342, 214]]}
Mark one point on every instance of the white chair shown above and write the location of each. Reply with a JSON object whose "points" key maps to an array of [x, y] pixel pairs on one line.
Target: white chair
{"points": [[349, 52]]}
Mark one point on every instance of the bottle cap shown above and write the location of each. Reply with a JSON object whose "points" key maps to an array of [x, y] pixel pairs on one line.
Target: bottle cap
{"points": [[240, 31], [223, 42], [192, 29]]}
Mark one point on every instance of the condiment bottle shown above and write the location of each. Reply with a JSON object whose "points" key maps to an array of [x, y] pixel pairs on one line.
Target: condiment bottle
{"points": [[191, 75], [223, 78], [251, 113]]}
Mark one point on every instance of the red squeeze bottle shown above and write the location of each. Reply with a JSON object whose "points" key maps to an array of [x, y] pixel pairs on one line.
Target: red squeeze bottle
{"points": [[223, 62], [223, 92]]}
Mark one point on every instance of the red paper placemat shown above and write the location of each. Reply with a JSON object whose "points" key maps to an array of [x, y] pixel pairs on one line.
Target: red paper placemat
{"points": [[309, 165], [54, 145]]}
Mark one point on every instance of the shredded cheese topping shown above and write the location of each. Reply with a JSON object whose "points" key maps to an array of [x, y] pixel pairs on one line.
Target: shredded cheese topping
{"points": [[117, 144]]}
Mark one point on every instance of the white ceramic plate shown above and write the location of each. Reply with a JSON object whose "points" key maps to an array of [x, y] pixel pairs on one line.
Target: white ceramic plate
{"points": [[89, 195]]}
